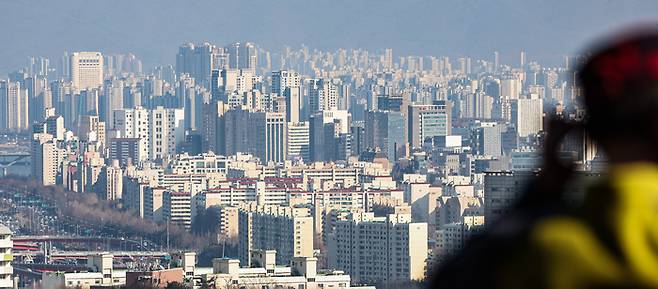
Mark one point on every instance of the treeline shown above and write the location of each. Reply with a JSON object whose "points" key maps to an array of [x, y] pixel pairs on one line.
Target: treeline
{"points": [[87, 209]]}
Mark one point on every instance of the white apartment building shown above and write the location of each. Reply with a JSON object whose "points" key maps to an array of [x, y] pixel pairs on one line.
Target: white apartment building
{"points": [[46, 158], [451, 238], [287, 230], [6, 271], [177, 208], [160, 129], [379, 249]]}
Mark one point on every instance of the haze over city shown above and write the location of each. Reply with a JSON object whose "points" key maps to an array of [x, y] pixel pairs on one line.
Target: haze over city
{"points": [[328, 144], [152, 30]]}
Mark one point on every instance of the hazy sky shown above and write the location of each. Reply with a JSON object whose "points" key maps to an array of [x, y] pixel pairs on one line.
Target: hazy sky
{"points": [[153, 29]]}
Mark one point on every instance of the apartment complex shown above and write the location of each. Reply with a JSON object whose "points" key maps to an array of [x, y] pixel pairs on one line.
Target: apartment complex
{"points": [[373, 249]]}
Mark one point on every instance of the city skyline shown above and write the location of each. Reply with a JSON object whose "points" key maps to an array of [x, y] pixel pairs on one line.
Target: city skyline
{"points": [[545, 31]]}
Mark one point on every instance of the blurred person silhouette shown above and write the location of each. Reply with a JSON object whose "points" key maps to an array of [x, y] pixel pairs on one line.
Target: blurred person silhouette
{"points": [[610, 240]]}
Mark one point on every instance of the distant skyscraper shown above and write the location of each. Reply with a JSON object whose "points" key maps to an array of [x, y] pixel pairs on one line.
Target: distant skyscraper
{"points": [[264, 138], [428, 121], [527, 115], [45, 159], [329, 130], [14, 107], [388, 58], [197, 62], [242, 56], [385, 130], [496, 60], [298, 140], [287, 84], [323, 95], [86, 70], [488, 139]]}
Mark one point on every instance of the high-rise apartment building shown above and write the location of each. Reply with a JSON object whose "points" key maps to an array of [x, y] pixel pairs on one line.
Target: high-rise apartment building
{"points": [[501, 190], [6, 270], [177, 208], [14, 107], [322, 95], [86, 70], [242, 56], [527, 115], [160, 129], [287, 230], [287, 84], [166, 131], [46, 158], [379, 249]]}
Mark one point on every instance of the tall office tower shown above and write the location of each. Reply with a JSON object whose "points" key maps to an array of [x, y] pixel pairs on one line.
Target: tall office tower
{"points": [[166, 131], [322, 95], [388, 59], [91, 129], [287, 84], [196, 61], [501, 190], [86, 70], [328, 130], [287, 230], [270, 138], [134, 123], [522, 59], [396, 251], [6, 279], [298, 140], [14, 107], [488, 139], [528, 116], [428, 121], [384, 130], [242, 56], [213, 127], [195, 98], [265, 138], [112, 99], [46, 157]]}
